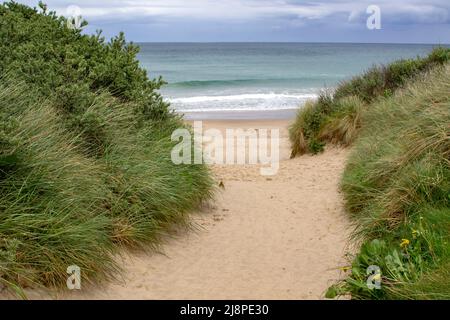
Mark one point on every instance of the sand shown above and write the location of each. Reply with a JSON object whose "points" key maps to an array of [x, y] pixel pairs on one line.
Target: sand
{"points": [[280, 237]]}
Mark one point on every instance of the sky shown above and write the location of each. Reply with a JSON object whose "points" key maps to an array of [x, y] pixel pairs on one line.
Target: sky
{"points": [[402, 21]]}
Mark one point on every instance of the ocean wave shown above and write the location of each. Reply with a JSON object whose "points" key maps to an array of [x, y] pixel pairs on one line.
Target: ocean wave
{"points": [[241, 97], [241, 102], [218, 109], [212, 83]]}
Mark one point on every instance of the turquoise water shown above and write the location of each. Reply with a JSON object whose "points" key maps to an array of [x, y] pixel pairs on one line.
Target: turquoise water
{"points": [[217, 77]]}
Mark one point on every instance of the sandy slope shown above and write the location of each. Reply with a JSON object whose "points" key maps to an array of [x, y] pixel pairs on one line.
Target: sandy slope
{"points": [[281, 237]]}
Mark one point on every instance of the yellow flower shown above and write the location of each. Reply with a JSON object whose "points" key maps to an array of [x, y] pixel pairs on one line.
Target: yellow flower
{"points": [[377, 277], [415, 233], [404, 243], [346, 268]]}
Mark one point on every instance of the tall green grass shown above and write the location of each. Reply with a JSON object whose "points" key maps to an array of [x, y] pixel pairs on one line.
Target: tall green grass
{"points": [[63, 204], [51, 197], [85, 149], [397, 190], [335, 116]]}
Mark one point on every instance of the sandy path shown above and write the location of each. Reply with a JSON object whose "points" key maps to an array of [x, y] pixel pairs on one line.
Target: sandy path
{"points": [[282, 237]]}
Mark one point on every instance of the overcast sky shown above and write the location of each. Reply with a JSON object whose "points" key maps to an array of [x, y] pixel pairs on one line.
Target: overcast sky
{"points": [[410, 21]]}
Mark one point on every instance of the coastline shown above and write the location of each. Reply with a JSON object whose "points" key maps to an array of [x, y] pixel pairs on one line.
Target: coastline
{"points": [[252, 115]]}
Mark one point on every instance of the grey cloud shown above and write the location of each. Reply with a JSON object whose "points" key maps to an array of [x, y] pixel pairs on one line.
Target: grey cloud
{"points": [[286, 16]]}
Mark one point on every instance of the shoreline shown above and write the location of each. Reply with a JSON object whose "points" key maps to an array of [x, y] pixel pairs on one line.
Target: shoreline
{"points": [[281, 125], [244, 115]]}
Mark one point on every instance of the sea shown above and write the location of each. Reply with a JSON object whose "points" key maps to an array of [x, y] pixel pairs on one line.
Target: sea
{"points": [[237, 79]]}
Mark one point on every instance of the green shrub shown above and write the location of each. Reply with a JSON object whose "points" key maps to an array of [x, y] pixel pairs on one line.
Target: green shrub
{"points": [[309, 121], [69, 67]]}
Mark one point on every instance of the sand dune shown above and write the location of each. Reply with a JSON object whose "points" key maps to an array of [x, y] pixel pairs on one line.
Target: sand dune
{"points": [[280, 237]]}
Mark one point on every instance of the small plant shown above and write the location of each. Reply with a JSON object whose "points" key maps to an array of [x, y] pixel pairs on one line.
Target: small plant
{"points": [[315, 146]]}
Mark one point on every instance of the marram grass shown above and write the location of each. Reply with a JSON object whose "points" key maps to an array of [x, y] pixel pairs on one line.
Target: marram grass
{"points": [[397, 190], [85, 147], [50, 207], [335, 116], [63, 203]]}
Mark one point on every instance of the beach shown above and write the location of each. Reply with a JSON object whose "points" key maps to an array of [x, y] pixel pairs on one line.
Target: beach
{"points": [[161, 164], [278, 237]]}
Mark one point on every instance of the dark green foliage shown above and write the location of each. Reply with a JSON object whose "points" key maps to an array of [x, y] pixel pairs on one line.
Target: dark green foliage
{"points": [[309, 120], [68, 67], [315, 146]]}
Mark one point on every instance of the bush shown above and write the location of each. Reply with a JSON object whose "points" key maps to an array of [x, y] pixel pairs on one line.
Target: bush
{"points": [[68, 67], [309, 121]]}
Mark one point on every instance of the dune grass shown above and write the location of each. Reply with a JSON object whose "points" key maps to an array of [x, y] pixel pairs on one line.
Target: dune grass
{"points": [[397, 190], [335, 116], [51, 198], [85, 149]]}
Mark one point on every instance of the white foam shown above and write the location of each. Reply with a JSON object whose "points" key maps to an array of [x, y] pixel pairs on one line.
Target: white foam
{"points": [[243, 97], [232, 109]]}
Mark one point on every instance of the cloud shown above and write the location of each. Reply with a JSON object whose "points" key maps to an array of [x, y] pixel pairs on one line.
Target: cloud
{"points": [[434, 11], [230, 10], [256, 15]]}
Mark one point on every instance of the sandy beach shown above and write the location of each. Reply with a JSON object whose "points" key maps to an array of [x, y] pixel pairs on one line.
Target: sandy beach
{"points": [[232, 150], [280, 237]]}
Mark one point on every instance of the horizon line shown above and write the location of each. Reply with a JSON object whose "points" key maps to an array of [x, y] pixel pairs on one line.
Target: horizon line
{"points": [[302, 42]]}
